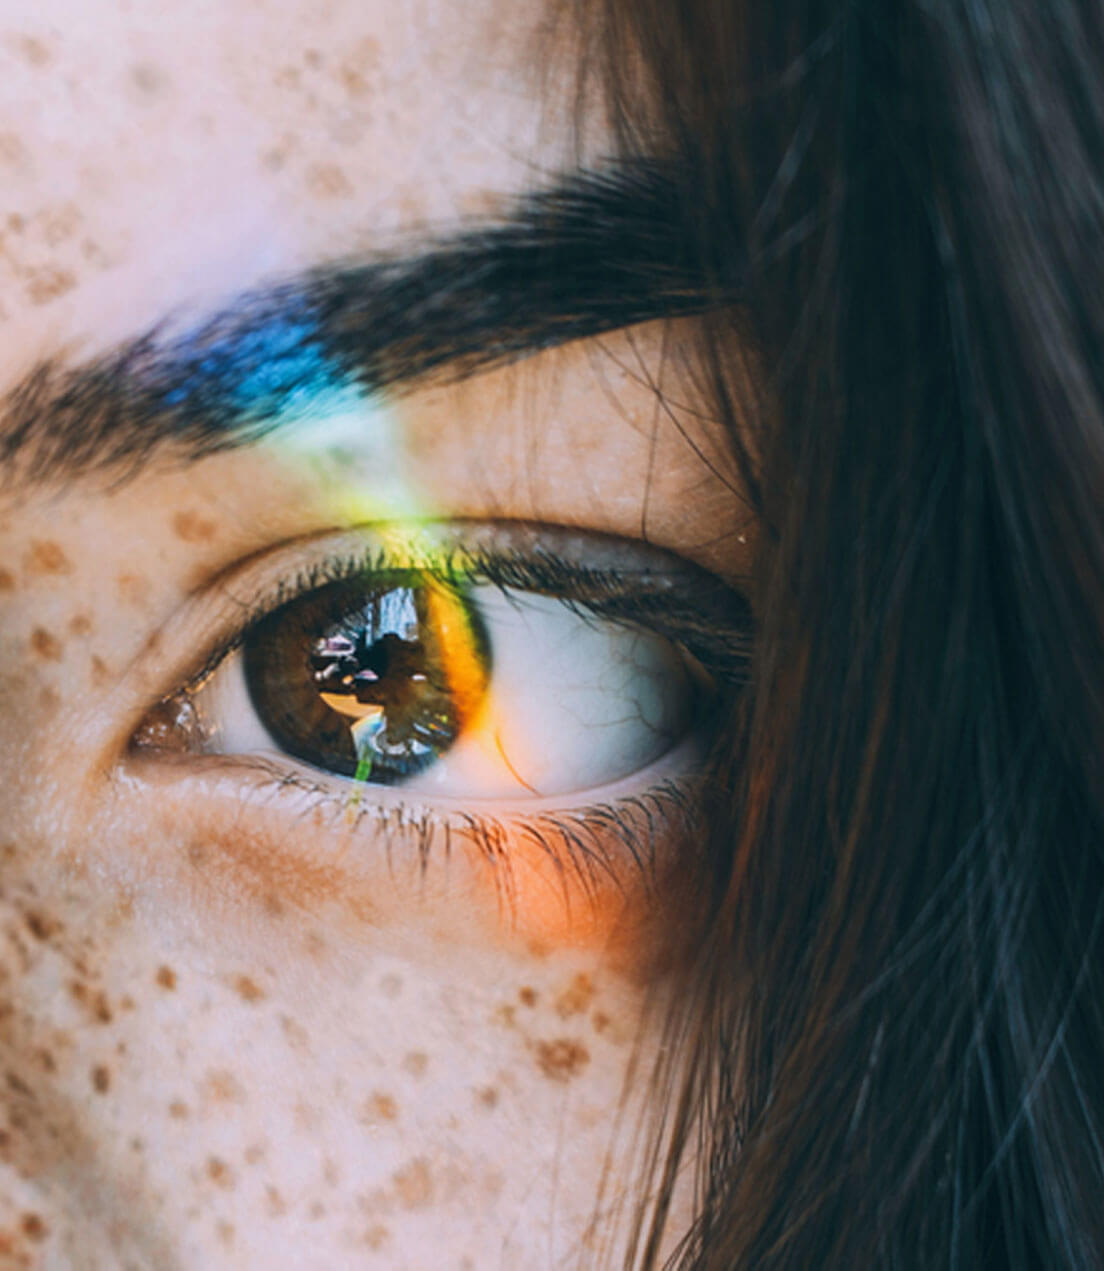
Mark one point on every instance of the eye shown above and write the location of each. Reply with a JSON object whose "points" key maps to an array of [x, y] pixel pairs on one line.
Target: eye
{"points": [[531, 706], [440, 680]]}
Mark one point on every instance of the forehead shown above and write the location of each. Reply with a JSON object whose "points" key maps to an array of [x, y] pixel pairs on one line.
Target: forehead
{"points": [[154, 156]]}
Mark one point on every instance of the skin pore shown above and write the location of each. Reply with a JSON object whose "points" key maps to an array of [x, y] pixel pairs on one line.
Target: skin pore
{"points": [[231, 1033]]}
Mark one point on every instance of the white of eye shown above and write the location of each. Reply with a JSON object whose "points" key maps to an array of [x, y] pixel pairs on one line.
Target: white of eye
{"points": [[576, 703]]}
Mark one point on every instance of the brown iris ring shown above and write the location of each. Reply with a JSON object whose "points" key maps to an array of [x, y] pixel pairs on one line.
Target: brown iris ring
{"points": [[374, 678]]}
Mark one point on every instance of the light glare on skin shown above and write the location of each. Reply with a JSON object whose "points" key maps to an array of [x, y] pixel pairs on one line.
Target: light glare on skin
{"points": [[224, 1046]]}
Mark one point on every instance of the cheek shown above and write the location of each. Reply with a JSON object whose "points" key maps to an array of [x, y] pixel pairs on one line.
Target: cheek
{"points": [[225, 1101]]}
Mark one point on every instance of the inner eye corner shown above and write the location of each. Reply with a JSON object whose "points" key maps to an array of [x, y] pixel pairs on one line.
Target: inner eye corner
{"points": [[171, 726]]}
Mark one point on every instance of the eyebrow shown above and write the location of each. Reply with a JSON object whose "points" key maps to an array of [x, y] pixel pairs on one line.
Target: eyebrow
{"points": [[598, 251]]}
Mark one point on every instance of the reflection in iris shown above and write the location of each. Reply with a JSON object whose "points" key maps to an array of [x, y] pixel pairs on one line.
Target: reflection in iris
{"points": [[374, 686]]}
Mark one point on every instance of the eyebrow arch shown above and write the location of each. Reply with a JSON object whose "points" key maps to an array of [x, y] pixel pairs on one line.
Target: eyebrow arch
{"points": [[600, 250]]}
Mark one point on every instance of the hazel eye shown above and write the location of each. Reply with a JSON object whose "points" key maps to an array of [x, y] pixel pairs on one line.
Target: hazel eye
{"points": [[375, 685]]}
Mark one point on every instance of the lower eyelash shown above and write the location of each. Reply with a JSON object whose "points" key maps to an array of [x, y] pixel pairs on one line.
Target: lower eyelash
{"points": [[589, 847]]}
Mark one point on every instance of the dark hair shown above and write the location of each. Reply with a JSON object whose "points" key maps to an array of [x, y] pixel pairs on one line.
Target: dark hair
{"points": [[899, 1005]]}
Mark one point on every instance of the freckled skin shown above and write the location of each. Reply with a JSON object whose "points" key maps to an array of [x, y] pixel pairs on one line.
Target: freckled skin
{"points": [[220, 1044]]}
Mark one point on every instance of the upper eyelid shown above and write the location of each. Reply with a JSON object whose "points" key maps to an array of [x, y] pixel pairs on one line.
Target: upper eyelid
{"points": [[686, 601]]}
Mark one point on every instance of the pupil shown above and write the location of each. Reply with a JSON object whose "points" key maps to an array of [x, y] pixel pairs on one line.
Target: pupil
{"points": [[382, 692]]}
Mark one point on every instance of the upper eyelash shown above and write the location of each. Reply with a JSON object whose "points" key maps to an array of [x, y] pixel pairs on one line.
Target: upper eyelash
{"points": [[700, 612]]}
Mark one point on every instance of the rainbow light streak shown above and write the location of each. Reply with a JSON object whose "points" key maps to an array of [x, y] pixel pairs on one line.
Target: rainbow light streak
{"points": [[350, 443], [464, 665]]}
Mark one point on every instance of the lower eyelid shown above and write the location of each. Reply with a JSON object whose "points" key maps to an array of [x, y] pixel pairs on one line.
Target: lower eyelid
{"points": [[254, 833]]}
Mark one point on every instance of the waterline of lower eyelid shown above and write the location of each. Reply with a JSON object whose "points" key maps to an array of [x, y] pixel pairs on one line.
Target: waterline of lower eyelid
{"points": [[674, 766]]}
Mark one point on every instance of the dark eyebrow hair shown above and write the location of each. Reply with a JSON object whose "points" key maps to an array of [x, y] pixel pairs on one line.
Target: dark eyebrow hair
{"points": [[599, 251]]}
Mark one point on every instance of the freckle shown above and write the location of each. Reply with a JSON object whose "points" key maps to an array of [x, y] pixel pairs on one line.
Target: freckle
{"points": [[249, 990], [376, 1236], [46, 1059], [391, 985], [317, 1210], [149, 79], [367, 53], [48, 283], [306, 1118], [296, 1035], [415, 1063], [275, 1203], [101, 1079], [600, 1021], [220, 1173], [528, 996], [133, 589], [353, 81], [49, 699], [287, 77], [561, 1060], [166, 978], [328, 181], [40, 925], [505, 1015], [46, 645], [312, 58], [255, 1154], [137, 1145], [96, 255], [7, 580], [225, 1232], [221, 1086], [414, 1184], [16, 223], [192, 528], [33, 51], [81, 624], [178, 1110], [378, 1107], [13, 152], [33, 1227], [488, 1097], [273, 160], [100, 673], [330, 1173], [60, 224], [576, 997]]}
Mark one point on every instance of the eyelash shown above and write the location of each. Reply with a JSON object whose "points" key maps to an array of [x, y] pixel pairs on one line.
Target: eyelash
{"points": [[695, 610], [581, 843], [713, 623]]}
